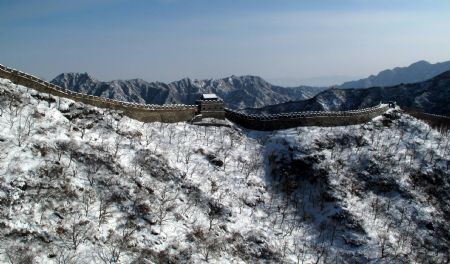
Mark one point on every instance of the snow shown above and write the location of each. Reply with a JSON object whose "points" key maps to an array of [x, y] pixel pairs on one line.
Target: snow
{"points": [[209, 97], [203, 193]]}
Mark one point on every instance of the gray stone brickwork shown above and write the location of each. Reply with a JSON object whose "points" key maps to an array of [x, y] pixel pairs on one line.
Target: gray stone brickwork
{"points": [[211, 108], [207, 108], [141, 112], [289, 120]]}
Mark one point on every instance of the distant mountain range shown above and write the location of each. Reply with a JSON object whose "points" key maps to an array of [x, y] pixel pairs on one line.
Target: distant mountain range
{"points": [[431, 96], [236, 91], [416, 72], [241, 92]]}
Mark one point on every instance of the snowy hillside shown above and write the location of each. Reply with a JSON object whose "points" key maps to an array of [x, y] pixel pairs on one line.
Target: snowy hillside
{"points": [[79, 184]]}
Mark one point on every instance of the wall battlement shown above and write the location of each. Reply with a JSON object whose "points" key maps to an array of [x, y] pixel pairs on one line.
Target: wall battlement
{"points": [[179, 112], [437, 121], [143, 112], [319, 118]]}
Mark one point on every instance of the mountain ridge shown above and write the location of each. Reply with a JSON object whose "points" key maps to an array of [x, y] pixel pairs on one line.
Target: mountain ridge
{"points": [[430, 96], [237, 91], [416, 72]]}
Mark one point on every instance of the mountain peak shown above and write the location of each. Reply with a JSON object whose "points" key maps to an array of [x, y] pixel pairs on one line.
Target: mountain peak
{"points": [[420, 63], [78, 76], [75, 81], [247, 79]]}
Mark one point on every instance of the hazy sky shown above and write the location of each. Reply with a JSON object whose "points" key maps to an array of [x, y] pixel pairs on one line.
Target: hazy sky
{"points": [[284, 41]]}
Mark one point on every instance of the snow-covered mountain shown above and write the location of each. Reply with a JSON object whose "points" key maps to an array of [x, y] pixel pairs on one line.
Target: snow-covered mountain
{"points": [[237, 92], [79, 184], [416, 72], [431, 96]]}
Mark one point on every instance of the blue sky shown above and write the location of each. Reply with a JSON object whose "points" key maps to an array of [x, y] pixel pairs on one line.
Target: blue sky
{"points": [[287, 42]]}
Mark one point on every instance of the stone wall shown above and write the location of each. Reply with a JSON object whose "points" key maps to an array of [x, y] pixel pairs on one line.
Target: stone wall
{"points": [[436, 121], [211, 108], [289, 120], [177, 113], [142, 112]]}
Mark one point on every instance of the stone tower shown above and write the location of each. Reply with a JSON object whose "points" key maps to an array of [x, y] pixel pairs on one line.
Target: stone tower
{"points": [[211, 106]]}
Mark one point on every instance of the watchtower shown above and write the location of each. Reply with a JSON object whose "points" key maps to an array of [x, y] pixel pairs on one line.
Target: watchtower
{"points": [[211, 106]]}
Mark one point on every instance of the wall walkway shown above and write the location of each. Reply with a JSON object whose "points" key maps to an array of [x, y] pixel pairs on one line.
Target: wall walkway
{"points": [[289, 120], [179, 112], [142, 112]]}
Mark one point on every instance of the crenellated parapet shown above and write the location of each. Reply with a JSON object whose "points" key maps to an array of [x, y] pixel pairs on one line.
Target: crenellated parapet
{"points": [[141, 112], [437, 121], [308, 118], [209, 107]]}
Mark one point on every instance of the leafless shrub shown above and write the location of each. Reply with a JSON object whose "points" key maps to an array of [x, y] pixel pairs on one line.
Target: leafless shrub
{"points": [[166, 203], [104, 209], [20, 254], [75, 232], [87, 199], [23, 128], [109, 253], [61, 146], [65, 256], [208, 244]]}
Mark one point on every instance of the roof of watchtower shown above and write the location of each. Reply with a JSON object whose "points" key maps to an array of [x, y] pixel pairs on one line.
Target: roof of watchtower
{"points": [[209, 97]]}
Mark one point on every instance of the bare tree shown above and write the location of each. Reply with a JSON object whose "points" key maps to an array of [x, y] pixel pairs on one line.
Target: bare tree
{"points": [[23, 128], [87, 199], [166, 203], [93, 166], [104, 209], [109, 253], [383, 240], [75, 232], [127, 233], [148, 134], [208, 244], [17, 254], [61, 147], [299, 251], [116, 145], [67, 257]]}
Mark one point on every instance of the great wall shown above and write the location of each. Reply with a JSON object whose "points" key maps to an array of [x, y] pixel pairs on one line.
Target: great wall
{"points": [[141, 112], [319, 118], [179, 112], [439, 122]]}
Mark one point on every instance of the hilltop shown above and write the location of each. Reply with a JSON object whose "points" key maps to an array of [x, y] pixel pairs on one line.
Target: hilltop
{"points": [[81, 184]]}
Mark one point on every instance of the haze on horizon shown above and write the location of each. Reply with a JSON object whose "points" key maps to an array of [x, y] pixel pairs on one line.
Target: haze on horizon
{"points": [[289, 42]]}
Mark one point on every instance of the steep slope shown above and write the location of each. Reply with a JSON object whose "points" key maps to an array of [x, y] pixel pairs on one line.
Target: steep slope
{"points": [[80, 184], [238, 92], [416, 72], [432, 96]]}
